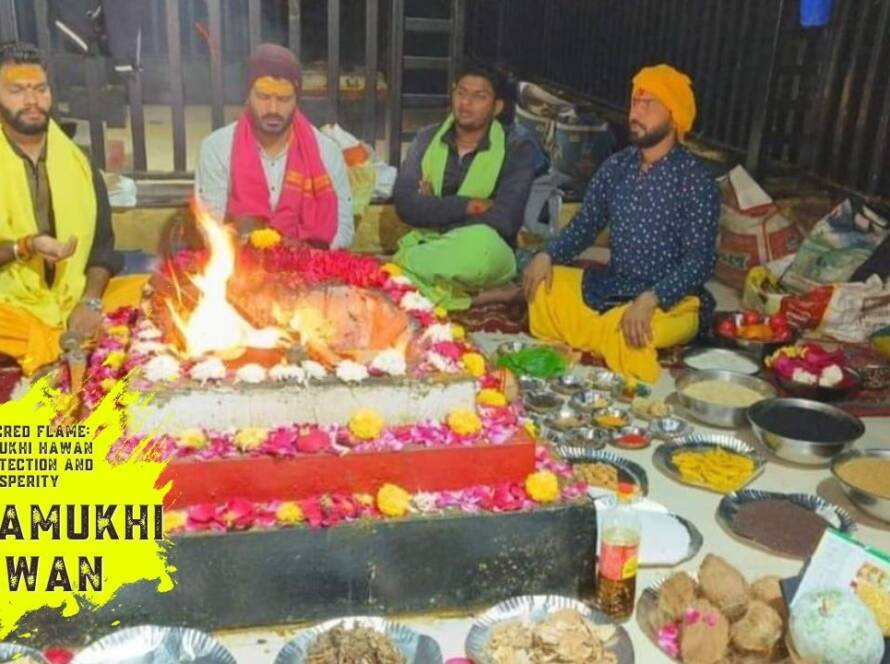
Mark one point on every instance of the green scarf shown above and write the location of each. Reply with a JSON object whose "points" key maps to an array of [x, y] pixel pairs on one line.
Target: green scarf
{"points": [[482, 177]]}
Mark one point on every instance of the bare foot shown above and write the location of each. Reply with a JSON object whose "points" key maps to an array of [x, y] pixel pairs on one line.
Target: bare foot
{"points": [[501, 295]]}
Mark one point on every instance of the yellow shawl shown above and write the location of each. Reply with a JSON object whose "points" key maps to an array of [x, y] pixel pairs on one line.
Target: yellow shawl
{"points": [[74, 208]]}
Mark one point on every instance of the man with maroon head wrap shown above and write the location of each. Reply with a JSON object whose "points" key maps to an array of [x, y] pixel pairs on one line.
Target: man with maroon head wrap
{"points": [[272, 167]]}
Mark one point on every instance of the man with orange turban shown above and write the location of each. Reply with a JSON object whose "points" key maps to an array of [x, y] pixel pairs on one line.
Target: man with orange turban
{"points": [[662, 208]]}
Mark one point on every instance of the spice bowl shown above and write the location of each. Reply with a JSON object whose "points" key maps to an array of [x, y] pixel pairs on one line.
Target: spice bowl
{"points": [[589, 401], [589, 438], [669, 428], [566, 418], [542, 402], [531, 383], [631, 438], [567, 384], [612, 418], [871, 503], [605, 380]]}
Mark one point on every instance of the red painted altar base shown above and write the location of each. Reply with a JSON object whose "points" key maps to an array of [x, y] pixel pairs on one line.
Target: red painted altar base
{"points": [[414, 469]]}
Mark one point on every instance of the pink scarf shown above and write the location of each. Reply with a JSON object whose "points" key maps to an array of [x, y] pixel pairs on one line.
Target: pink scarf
{"points": [[307, 209]]}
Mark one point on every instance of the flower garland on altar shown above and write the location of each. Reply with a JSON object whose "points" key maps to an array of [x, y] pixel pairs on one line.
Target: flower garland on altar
{"points": [[390, 501], [132, 340]]}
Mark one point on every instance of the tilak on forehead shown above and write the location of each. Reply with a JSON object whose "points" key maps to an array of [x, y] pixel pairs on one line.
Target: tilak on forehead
{"points": [[25, 73], [273, 86]]}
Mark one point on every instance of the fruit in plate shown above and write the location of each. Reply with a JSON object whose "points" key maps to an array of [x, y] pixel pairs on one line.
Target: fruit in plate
{"points": [[751, 317], [726, 327], [756, 332]]}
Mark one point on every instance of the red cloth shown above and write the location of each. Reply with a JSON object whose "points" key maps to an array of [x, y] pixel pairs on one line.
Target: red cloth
{"points": [[307, 209]]}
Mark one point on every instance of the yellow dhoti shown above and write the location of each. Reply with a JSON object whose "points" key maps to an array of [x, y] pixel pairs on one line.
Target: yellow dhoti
{"points": [[560, 314], [33, 343]]}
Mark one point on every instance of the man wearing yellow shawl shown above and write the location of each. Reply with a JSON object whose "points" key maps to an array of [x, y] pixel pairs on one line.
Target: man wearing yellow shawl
{"points": [[662, 208], [56, 243], [464, 186]]}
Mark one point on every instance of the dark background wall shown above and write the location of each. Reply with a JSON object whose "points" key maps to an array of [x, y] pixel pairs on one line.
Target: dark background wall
{"points": [[815, 98]]}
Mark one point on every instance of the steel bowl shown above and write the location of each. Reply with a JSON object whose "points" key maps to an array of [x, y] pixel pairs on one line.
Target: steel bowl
{"points": [[542, 402], [850, 383], [567, 384], [589, 438], [605, 380], [631, 430], [870, 503], [669, 428], [759, 349], [613, 412], [731, 417], [590, 400], [566, 418], [835, 429], [531, 384]]}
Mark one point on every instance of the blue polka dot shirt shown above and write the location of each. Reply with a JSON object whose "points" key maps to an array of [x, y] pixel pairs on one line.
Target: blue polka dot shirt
{"points": [[663, 230]]}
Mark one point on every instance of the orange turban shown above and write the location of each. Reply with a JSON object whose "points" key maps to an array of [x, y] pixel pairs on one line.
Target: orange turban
{"points": [[673, 88]]}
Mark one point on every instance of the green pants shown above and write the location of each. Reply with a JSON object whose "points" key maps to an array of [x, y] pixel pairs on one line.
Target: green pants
{"points": [[447, 267]]}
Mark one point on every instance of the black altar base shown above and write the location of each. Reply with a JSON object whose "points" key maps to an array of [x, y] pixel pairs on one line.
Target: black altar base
{"points": [[441, 564]]}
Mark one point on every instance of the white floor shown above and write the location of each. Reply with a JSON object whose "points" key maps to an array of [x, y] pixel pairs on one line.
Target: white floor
{"points": [[260, 646]]}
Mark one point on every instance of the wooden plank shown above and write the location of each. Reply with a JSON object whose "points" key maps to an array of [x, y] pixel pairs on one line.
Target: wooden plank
{"points": [[418, 62], [458, 21], [823, 102], [372, 31], [880, 46], [768, 61], [294, 21], [254, 23], [394, 107], [177, 92], [737, 115], [137, 122], [333, 60], [93, 69], [837, 164], [9, 27], [44, 38], [420, 100], [881, 152], [217, 93], [439, 25]]}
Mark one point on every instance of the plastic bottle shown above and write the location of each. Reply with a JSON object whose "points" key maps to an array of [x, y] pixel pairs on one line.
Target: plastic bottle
{"points": [[619, 557]]}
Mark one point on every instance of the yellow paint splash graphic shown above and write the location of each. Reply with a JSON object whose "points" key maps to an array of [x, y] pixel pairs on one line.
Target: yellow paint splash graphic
{"points": [[107, 516]]}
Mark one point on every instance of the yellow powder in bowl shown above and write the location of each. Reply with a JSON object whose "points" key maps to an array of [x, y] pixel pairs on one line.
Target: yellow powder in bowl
{"points": [[869, 474]]}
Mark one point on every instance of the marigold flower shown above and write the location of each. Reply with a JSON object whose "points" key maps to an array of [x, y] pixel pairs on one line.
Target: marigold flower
{"points": [[265, 238], [289, 513], [464, 422], [251, 437], [193, 439], [393, 500], [542, 486], [366, 424], [489, 397], [474, 363]]}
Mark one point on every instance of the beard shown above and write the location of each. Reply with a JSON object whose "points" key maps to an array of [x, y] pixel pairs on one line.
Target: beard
{"points": [[271, 124], [17, 122], [649, 137]]}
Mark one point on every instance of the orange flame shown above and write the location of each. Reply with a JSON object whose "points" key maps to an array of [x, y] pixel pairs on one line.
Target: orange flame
{"points": [[214, 325]]}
